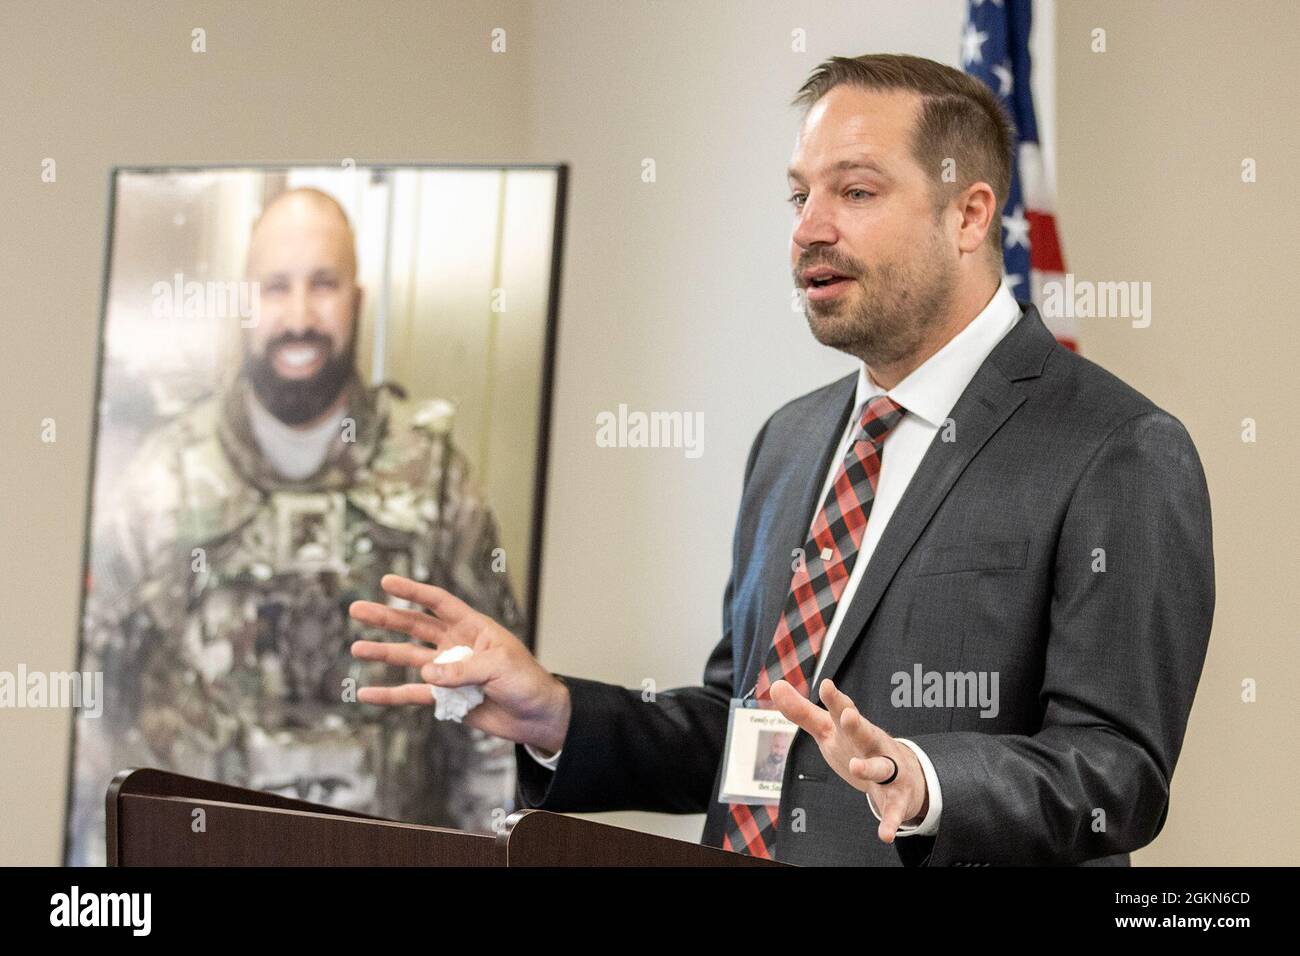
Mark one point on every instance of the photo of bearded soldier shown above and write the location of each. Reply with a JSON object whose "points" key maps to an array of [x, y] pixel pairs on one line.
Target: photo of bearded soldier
{"points": [[241, 532]]}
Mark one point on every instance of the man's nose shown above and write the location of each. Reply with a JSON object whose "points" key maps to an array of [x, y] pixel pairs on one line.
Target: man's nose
{"points": [[298, 315], [815, 224]]}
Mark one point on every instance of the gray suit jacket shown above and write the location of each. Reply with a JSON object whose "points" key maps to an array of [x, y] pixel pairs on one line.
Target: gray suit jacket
{"points": [[1062, 541]]}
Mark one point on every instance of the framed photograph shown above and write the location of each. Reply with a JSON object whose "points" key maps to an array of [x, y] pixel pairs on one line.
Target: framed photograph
{"points": [[310, 377]]}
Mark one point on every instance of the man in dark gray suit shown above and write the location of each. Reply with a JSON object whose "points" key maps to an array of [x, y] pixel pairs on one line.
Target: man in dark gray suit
{"points": [[990, 557]]}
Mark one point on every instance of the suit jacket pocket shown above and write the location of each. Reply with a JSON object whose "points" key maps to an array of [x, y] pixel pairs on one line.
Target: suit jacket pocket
{"points": [[973, 556]]}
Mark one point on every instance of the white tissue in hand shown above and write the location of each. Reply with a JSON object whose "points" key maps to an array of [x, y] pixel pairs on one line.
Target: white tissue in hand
{"points": [[453, 703]]}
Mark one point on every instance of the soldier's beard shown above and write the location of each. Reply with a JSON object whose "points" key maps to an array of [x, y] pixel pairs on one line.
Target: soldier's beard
{"points": [[297, 401]]}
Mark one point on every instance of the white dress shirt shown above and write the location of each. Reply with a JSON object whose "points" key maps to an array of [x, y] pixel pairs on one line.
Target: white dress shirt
{"points": [[928, 394]]}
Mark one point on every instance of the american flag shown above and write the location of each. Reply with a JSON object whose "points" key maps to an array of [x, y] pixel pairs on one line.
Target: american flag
{"points": [[995, 49]]}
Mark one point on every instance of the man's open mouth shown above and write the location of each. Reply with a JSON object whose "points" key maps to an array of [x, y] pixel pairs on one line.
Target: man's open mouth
{"points": [[298, 359], [819, 277], [824, 284]]}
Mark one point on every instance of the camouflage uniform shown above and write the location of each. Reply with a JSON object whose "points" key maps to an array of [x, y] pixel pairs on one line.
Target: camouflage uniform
{"points": [[231, 662]]}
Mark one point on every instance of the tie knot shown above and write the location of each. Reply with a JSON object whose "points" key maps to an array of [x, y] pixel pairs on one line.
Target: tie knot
{"points": [[878, 417]]}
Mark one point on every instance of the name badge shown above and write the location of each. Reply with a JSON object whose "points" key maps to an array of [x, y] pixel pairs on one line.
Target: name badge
{"points": [[753, 763]]}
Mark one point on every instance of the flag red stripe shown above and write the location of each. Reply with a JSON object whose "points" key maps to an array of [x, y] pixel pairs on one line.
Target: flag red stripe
{"points": [[1044, 248]]}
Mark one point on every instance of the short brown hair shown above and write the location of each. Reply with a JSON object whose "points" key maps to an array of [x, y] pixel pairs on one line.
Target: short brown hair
{"points": [[960, 119]]}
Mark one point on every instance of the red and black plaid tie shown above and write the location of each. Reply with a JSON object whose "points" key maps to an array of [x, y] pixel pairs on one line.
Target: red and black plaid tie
{"points": [[815, 589]]}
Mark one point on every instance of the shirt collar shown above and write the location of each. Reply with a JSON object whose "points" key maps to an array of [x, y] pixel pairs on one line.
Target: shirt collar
{"points": [[932, 389]]}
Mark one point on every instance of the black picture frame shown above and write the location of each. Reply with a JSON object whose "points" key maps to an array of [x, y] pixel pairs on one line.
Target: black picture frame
{"points": [[545, 399]]}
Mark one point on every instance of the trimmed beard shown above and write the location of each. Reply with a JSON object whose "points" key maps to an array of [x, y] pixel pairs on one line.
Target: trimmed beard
{"points": [[292, 401], [898, 310]]}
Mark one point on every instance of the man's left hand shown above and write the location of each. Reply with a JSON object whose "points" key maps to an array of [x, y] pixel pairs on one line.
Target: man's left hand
{"points": [[857, 749]]}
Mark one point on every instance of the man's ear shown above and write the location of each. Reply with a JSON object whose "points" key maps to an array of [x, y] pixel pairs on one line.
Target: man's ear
{"points": [[978, 207], [358, 300]]}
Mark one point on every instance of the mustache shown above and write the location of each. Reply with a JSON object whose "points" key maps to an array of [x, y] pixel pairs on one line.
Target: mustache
{"points": [[310, 337]]}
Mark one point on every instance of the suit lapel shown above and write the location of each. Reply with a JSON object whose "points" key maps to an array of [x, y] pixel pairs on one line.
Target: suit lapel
{"points": [[988, 401], [796, 504]]}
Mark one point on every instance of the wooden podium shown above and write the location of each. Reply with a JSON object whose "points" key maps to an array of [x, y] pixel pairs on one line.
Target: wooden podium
{"points": [[153, 820]]}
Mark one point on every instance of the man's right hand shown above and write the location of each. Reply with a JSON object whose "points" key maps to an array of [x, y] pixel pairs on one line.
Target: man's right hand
{"points": [[523, 701]]}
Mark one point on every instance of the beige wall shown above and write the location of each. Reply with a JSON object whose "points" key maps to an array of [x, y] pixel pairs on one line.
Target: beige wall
{"points": [[676, 294], [1152, 135]]}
